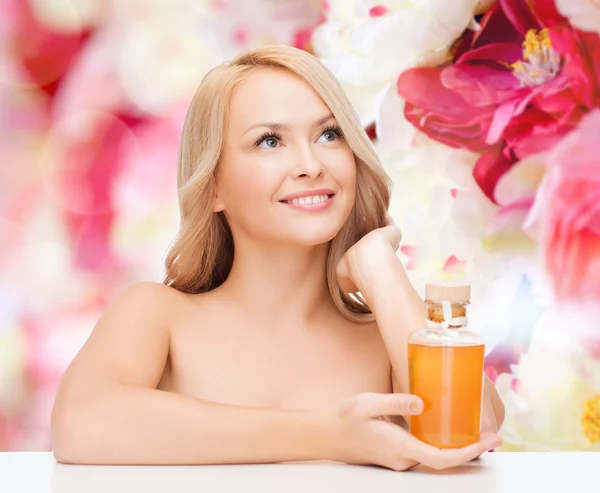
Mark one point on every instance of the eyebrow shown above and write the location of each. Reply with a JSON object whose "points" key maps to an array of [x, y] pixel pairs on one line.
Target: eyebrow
{"points": [[280, 127]]}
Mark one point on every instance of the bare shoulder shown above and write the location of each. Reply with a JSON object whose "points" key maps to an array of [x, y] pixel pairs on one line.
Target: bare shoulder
{"points": [[149, 300], [163, 310], [130, 341], [151, 295]]}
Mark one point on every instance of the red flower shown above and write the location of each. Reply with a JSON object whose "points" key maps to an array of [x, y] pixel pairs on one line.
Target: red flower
{"points": [[513, 89], [567, 210]]}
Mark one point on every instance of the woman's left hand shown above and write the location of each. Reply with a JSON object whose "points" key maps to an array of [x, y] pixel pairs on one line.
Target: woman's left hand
{"points": [[368, 256]]}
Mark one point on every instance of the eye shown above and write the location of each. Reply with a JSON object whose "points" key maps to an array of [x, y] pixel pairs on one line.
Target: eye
{"points": [[331, 134], [268, 141]]}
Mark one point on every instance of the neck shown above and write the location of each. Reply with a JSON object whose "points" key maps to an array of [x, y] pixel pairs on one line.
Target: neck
{"points": [[275, 282]]}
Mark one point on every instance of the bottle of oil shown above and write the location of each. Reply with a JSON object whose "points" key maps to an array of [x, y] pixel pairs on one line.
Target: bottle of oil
{"points": [[446, 370]]}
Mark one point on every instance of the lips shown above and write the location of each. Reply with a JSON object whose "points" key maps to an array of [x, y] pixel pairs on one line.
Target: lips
{"points": [[308, 193], [310, 200]]}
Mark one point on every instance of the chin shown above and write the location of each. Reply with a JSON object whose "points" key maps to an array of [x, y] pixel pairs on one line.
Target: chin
{"points": [[313, 236], [304, 231]]}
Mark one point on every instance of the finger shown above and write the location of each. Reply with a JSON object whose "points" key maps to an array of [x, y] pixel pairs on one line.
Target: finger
{"points": [[445, 458], [370, 405]]}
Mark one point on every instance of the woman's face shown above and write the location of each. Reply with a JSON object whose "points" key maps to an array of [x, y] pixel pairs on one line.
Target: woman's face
{"points": [[286, 174]]}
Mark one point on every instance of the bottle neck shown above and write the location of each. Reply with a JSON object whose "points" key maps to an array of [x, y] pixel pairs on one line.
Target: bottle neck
{"points": [[435, 313]]}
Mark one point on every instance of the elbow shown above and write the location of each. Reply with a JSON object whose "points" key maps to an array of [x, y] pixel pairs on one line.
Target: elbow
{"points": [[64, 437], [68, 435]]}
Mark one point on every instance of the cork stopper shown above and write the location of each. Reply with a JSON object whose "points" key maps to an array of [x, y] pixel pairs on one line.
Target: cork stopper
{"points": [[454, 292], [459, 294]]}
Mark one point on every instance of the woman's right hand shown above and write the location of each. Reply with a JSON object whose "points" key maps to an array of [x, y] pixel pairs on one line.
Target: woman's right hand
{"points": [[365, 435]]}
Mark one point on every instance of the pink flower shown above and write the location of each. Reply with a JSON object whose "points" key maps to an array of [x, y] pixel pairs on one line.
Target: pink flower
{"points": [[513, 89], [83, 185], [567, 213], [501, 359], [40, 53]]}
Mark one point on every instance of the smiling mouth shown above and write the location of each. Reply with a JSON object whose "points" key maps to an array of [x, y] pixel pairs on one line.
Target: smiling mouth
{"points": [[309, 200]]}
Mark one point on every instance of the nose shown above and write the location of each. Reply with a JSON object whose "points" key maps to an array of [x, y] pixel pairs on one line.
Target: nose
{"points": [[307, 165]]}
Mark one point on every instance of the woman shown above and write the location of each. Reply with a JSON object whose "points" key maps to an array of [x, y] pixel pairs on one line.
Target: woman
{"points": [[253, 350]]}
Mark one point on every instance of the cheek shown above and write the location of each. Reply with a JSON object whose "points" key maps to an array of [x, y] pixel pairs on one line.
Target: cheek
{"points": [[248, 186], [344, 172], [349, 183]]}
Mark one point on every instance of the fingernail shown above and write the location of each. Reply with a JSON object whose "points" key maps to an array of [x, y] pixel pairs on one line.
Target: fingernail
{"points": [[416, 406]]}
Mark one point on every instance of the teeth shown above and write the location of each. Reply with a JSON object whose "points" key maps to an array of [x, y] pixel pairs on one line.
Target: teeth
{"points": [[312, 199]]}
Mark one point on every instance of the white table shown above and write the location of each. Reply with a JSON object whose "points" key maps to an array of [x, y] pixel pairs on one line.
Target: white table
{"points": [[492, 473]]}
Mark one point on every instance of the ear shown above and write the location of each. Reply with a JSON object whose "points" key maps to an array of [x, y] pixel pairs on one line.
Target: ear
{"points": [[218, 204]]}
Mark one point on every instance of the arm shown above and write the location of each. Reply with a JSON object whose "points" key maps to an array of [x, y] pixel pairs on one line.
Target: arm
{"points": [[399, 310], [108, 410], [493, 407]]}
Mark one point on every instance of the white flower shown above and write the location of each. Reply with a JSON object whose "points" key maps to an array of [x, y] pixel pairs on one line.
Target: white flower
{"points": [[69, 16], [367, 44], [162, 60], [555, 383], [445, 221], [394, 133], [497, 255], [584, 14]]}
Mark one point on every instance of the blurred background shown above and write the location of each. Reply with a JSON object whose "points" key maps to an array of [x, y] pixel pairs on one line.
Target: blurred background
{"points": [[92, 99]]}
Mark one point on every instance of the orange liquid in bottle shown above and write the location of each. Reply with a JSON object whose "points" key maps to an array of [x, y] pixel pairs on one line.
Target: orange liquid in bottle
{"points": [[449, 379]]}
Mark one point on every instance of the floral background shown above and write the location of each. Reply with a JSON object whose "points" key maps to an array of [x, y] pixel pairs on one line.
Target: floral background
{"points": [[485, 113]]}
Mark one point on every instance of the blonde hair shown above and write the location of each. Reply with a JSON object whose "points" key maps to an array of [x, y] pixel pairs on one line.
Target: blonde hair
{"points": [[201, 256]]}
